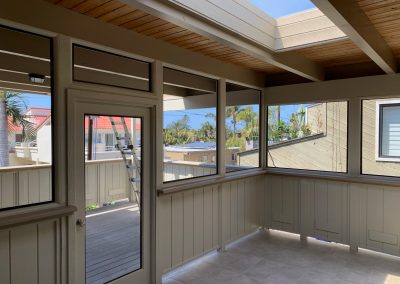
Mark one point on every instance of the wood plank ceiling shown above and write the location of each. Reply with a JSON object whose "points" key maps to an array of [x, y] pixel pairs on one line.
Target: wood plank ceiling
{"points": [[385, 16], [117, 13], [334, 56]]}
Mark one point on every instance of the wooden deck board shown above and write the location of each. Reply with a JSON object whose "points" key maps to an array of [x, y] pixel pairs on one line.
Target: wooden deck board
{"points": [[112, 243]]}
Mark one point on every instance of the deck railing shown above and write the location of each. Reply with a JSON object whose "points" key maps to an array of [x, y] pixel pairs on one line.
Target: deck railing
{"points": [[106, 181]]}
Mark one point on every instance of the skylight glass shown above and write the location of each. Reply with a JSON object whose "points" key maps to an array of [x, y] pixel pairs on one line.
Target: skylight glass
{"points": [[280, 8]]}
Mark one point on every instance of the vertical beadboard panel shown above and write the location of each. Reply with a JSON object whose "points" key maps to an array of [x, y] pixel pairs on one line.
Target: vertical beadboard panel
{"points": [[267, 202], [233, 209], [391, 223], [241, 207], [164, 233], [208, 218], [250, 205], [260, 199], [45, 185], [47, 252], [31, 253], [355, 215], [5, 257], [34, 186], [215, 217], [375, 215], [8, 187], [198, 214], [177, 229], [307, 208], [24, 254], [321, 204], [23, 188], [188, 228], [225, 211], [101, 184]]}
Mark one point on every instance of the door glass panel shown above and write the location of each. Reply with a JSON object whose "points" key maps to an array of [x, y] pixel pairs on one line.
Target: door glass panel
{"points": [[112, 184]]}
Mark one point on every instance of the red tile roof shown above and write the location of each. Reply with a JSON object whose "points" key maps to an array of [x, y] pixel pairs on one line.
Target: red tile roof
{"points": [[103, 122], [13, 127]]}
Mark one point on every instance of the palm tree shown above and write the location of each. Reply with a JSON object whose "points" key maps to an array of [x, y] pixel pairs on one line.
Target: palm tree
{"points": [[11, 106], [232, 111], [248, 116]]}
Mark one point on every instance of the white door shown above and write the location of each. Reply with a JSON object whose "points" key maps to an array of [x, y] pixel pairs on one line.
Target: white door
{"points": [[111, 190]]}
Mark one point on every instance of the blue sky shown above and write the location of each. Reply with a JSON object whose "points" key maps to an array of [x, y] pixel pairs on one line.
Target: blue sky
{"points": [[196, 116], [279, 8], [34, 100]]}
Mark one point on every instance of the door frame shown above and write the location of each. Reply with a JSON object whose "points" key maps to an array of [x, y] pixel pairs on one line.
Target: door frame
{"points": [[80, 101]]}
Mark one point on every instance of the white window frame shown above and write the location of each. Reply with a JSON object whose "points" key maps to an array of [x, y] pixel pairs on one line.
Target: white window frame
{"points": [[378, 133]]}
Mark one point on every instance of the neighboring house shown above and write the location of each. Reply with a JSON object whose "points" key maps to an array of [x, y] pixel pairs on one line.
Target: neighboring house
{"points": [[35, 115], [248, 158], [25, 152], [204, 152], [326, 148], [43, 141], [38, 150], [104, 139]]}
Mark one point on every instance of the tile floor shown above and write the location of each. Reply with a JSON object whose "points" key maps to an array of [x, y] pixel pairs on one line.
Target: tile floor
{"points": [[278, 257]]}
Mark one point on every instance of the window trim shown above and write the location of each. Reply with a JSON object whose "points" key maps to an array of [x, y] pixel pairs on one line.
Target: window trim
{"points": [[260, 142], [217, 160], [380, 104], [308, 171], [53, 119]]}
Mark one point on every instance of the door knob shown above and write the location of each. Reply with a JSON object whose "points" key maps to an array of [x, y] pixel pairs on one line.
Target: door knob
{"points": [[81, 222]]}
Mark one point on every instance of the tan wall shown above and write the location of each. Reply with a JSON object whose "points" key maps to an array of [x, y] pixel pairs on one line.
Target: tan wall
{"points": [[328, 153], [191, 157], [198, 156], [316, 118], [251, 159]]}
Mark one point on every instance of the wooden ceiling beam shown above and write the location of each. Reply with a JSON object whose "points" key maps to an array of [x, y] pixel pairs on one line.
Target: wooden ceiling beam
{"points": [[289, 61], [349, 17]]}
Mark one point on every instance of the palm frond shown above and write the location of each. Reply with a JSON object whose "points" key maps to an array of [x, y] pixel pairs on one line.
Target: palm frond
{"points": [[15, 108]]}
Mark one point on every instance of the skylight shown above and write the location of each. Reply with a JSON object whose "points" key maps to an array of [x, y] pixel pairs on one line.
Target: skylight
{"points": [[275, 24], [281, 8]]}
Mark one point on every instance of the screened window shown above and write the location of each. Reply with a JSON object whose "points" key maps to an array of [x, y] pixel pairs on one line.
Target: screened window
{"points": [[99, 67], [381, 137], [242, 116], [25, 119], [308, 136], [189, 125]]}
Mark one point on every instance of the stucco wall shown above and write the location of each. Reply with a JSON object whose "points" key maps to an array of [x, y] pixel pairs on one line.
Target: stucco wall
{"points": [[328, 153]]}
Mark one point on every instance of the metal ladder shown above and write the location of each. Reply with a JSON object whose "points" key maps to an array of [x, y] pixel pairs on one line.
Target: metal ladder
{"points": [[128, 150]]}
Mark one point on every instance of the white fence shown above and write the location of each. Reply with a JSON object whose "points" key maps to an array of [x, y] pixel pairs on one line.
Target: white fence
{"points": [[25, 185], [106, 181]]}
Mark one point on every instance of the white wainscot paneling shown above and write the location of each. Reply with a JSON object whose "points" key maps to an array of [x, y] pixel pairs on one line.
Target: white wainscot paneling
{"points": [[194, 222], [25, 186], [375, 217], [187, 226], [31, 253], [360, 215], [324, 210], [282, 203]]}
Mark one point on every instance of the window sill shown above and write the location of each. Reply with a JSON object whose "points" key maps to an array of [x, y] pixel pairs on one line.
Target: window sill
{"points": [[174, 188], [33, 214], [387, 160], [362, 179]]}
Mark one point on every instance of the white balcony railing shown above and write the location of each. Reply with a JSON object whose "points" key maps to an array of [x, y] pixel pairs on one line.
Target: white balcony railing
{"points": [[106, 181]]}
